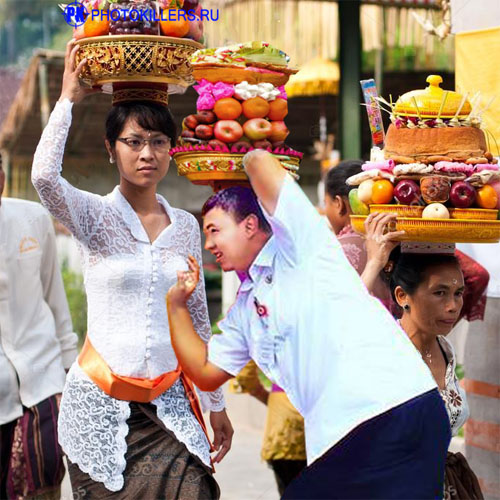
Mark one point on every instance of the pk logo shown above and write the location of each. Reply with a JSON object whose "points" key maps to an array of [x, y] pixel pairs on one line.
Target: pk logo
{"points": [[74, 14]]}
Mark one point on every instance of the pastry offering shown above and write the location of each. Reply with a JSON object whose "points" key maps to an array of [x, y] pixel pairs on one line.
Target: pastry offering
{"points": [[436, 164], [241, 106]]}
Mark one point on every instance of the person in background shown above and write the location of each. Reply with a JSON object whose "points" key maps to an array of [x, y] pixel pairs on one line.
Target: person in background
{"points": [[37, 345], [283, 445]]}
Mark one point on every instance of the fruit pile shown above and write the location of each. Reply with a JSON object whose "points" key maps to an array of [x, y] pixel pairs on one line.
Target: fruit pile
{"points": [[236, 118], [435, 163], [440, 193], [175, 18]]}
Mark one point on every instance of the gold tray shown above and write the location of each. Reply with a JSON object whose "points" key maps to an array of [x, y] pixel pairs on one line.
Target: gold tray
{"points": [[210, 168], [137, 58], [455, 213], [441, 230]]}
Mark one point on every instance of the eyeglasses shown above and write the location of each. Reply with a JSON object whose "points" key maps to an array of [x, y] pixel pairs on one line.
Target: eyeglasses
{"points": [[137, 144]]}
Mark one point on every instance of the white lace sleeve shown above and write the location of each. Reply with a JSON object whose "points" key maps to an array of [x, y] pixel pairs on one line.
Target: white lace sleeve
{"points": [[77, 210], [197, 305]]}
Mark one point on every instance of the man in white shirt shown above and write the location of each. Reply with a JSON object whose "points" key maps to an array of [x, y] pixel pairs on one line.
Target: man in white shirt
{"points": [[375, 424], [37, 345]]}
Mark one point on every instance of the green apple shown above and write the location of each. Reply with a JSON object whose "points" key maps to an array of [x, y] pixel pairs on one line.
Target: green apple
{"points": [[357, 206]]}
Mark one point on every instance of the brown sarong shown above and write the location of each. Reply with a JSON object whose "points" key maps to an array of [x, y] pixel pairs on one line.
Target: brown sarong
{"points": [[460, 482], [158, 466]]}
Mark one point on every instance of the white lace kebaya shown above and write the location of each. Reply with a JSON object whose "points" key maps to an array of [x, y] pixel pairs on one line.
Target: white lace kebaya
{"points": [[126, 279]]}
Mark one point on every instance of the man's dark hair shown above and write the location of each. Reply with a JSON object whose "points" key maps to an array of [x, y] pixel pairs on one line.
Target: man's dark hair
{"points": [[148, 115], [335, 179], [240, 202]]}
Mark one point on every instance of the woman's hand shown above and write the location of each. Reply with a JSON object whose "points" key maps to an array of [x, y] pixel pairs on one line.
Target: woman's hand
{"points": [[223, 433], [380, 239], [379, 243], [186, 283], [72, 88]]}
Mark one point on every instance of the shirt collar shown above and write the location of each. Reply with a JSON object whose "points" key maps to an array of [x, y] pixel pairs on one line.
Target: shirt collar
{"points": [[264, 259], [133, 221]]}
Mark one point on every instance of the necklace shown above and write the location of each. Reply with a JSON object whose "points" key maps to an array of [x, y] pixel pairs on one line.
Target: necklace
{"points": [[426, 355]]}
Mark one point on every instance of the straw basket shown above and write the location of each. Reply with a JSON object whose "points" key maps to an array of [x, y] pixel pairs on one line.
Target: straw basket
{"points": [[221, 169], [440, 230], [138, 58]]}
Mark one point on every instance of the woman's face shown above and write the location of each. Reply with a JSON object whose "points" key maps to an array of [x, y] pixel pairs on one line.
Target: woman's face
{"points": [[141, 164], [436, 304]]}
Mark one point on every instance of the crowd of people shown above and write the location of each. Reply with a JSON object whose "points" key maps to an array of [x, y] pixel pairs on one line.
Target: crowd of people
{"points": [[351, 331]]}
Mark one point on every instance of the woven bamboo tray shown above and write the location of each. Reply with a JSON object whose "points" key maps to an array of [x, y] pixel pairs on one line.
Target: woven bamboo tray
{"points": [[440, 230], [415, 211]]}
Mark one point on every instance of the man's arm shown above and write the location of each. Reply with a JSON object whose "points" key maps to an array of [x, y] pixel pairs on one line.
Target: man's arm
{"points": [[190, 350], [55, 296], [266, 176]]}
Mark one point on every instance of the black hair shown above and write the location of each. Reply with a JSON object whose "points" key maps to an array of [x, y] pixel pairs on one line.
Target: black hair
{"points": [[240, 201], [335, 184], [149, 116], [410, 268]]}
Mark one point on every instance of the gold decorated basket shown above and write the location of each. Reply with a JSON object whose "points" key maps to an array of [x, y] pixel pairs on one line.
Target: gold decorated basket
{"points": [[440, 230], [221, 169], [415, 211], [138, 58]]}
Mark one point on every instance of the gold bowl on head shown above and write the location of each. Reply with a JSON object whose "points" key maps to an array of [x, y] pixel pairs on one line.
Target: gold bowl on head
{"points": [[138, 58], [221, 169], [440, 230]]}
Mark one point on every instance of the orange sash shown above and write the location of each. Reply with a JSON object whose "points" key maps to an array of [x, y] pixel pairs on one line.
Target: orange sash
{"points": [[140, 390]]}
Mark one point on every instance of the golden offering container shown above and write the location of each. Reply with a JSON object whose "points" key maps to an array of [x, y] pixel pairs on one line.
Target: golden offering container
{"points": [[221, 170], [138, 58], [415, 211], [440, 230]]}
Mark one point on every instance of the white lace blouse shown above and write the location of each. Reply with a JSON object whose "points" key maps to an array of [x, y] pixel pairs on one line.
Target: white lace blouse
{"points": [[126, 279]]}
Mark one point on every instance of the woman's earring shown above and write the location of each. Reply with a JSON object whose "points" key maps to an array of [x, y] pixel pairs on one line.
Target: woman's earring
{"points": [[406, 307], [111, 159]]}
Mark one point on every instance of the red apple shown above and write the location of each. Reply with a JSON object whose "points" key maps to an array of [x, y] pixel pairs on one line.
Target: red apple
{"points": [[257, 129], [241, 147], [279, 131], [262, 144], [204, 131], [228, 131], [407, 192], [215, 143], [205, 116], [191, 122], [462, 194], [188, 134], [195, 29]]}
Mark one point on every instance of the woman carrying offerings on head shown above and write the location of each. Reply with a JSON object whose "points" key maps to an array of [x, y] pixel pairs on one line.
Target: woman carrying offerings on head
{"points": [[427, 284], [130, 421]]}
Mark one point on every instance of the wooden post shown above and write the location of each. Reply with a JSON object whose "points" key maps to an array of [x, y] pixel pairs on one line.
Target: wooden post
{"points": [[350, 75]]}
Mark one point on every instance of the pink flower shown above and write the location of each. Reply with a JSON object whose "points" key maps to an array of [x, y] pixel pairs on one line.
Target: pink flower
{"points": [[282, 92], [221, 90], [205, 101], [204, 87]]}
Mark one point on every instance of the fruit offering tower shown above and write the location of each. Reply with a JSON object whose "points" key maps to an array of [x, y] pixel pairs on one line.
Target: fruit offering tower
{"points": [[241, 106], [437, 171]]}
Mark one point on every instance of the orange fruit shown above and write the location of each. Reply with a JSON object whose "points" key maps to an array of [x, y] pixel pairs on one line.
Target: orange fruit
{"points": [[255, 107], [96, 27], [178, 26], [278, 109], [486, 197], [227, 108], [382, 191]]}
